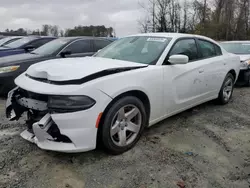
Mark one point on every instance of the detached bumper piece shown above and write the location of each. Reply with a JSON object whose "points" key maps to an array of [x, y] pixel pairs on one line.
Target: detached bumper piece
{"points": [[42, 130], [46, 135]]}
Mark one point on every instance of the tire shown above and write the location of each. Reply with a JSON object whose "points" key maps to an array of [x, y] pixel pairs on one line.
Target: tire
{"points": [[248, 82], [126, 114], [226, 90]]}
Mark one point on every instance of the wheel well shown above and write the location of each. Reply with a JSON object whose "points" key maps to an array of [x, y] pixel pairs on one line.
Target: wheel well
{"points": [[136, 93], [233, 73], [139, 94]]}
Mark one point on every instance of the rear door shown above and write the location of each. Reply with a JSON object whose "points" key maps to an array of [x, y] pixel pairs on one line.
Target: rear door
{"points": [[80, 48], [213, 66]]}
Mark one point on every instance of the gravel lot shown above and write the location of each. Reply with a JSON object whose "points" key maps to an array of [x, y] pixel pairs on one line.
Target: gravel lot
{"points": [[208, 146]]}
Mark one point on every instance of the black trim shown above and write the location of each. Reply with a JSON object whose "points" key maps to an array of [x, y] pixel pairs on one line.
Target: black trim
{"points": [[87, 78]]}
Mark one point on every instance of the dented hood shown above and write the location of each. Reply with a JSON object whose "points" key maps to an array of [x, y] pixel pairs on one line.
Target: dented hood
{"points": [[76, 68]]}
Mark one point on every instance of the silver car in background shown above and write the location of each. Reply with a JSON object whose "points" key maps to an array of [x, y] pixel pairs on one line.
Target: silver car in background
{"points": [[242, 49]]}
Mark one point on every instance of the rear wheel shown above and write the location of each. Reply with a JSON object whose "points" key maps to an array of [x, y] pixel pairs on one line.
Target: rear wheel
{"points": [[123, 124], [226, 90]]}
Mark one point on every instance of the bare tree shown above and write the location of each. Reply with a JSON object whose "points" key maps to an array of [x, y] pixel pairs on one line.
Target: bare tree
{"points": [[150, 17], [144, 25]]}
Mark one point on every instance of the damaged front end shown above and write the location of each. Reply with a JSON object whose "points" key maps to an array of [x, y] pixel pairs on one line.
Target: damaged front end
{"points": [[40, 126]]}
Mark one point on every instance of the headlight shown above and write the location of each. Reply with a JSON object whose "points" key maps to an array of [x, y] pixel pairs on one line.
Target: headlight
{"points": [[8, 69], [244, 64], [69, 103]]}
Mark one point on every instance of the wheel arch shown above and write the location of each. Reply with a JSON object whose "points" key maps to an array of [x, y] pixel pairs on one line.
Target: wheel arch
{"points": [[137, 93], [233, 72]]}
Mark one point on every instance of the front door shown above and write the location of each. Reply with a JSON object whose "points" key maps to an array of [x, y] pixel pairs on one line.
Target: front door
{"points": [[184, 83]]}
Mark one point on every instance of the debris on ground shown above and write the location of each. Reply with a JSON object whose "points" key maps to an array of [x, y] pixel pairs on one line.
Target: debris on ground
{"points": [[201, 150]]}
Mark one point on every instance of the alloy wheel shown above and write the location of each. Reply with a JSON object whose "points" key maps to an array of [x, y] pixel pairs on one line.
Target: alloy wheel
{"points": [[228, 89], [126, 125]]}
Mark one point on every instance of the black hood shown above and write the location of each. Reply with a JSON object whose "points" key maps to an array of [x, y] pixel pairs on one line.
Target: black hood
{"points": [[20, 58]]}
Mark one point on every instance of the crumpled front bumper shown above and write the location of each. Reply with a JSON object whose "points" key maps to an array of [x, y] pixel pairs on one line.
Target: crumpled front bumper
{"points": [[78, 127], [43, 140]]}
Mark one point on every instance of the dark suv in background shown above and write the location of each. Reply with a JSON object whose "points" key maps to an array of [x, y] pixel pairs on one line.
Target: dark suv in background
{"points": [[23, 45], [13, 66]]}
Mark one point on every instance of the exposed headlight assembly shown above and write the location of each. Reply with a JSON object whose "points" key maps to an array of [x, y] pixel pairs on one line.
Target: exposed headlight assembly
{"points": [[8, 69], [244, 64], [63, 104]]}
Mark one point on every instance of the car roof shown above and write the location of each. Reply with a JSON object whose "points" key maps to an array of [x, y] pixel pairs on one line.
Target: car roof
{"points": [[37, 36], [236, 41], [172, 35], [13, 37], [82, 37]]}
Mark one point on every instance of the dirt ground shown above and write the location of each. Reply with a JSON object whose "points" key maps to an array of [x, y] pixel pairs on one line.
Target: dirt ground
{"points": [[208, 146]]}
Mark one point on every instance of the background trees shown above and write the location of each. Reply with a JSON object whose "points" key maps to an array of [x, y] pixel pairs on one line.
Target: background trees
{"points": [[218, 19], [54, 30]]}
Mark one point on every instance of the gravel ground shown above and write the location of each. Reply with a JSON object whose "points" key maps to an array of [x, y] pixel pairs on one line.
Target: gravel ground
{"points": [[208, 146]]}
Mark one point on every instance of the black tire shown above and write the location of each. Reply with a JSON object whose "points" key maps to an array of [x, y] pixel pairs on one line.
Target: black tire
{"points": [[248, 82], [221, 99], [106, 138]]}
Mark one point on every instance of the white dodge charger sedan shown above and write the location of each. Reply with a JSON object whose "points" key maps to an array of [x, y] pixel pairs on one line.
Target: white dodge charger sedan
{"points": [[135, 82]]}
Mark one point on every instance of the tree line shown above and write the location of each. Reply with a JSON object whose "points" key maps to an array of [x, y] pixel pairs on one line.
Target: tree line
{"points": [[54, 30], [218, 19]]}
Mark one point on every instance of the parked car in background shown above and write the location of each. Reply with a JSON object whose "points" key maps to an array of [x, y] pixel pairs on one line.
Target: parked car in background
{"points": [[12, 66], [7, 40], [23, 45], [133, 83], [242, 49]]}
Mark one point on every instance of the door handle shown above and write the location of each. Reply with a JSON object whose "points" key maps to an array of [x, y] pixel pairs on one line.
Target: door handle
{"points": [[201, 71]]}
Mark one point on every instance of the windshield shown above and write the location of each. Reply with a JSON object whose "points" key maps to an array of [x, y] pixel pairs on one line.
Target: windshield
{"points": [[4, 40], [51, 47], [237, 48], [20, 42], [139, 49]]}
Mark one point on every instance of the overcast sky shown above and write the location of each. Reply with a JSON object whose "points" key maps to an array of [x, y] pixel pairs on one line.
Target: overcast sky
{"points": [[32, 14]]}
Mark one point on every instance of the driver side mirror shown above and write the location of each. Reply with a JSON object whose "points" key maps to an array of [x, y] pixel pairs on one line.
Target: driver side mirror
{"points": [[178, 59], [65, 53], [29, 48]]}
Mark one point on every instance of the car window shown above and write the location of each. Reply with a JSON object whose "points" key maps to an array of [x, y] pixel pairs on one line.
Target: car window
{"points": [[7, 40], [11, 40], [218, 50], [39, 42], [207, 49], [80, 46], [20, 42], [139, 49], [237, 47], [99, 44], [185, 47], [52, 46]]}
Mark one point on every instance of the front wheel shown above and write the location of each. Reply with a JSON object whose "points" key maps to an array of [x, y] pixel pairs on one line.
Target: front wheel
{"points": [[123, 124], [226, 90]]}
